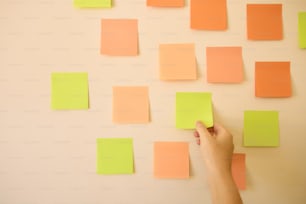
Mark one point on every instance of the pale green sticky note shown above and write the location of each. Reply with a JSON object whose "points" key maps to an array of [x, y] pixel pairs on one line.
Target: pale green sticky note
{"points": [[69, 91], [115, 156], [93, 3], [302, 29], [261, 128], [192, 107]]}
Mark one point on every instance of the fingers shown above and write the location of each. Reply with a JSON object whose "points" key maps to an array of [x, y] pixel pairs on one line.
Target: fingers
{"points": [[219, 129], [196, 134], [202, 130]]}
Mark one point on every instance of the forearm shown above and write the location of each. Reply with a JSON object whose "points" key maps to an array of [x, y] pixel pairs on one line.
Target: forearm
{"points": [[223, 189]]}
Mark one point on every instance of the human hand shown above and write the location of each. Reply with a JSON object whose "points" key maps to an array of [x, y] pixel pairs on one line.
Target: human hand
{"points": [[216, 146]]}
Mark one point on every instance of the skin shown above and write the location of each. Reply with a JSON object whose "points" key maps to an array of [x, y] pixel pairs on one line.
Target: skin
{"points": [[217, 147]]}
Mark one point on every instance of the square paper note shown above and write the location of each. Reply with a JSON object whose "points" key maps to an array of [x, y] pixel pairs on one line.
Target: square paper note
{"points": [[130, 104], [177, 62], [224, 64], [93, 3], [119, 37], [171, 160], [69, 91], [261, 129], [302, 29], [239, 170], [208, 14], [191, 107], [272, 79], [115, 156], [264, 21], [166, 3]]}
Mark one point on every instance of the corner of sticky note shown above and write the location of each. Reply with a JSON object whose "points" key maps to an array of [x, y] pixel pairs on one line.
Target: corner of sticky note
{"points": [[302, 29], [92, 3], [115, 156], [192, 107], [261, 129]]}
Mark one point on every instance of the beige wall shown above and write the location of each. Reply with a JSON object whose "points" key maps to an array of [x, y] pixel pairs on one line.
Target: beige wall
{"points": [[50, 156]]}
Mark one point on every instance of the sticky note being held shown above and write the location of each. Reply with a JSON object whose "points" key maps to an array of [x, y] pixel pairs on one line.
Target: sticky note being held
{"points": [[239, 170], [93, 3], [208, 14], [115, 156], [171, 160], [272, 79], [177, 62], [302, 29], [119, 37], [264, 22], [192, 107], [224, 64], [261, 129], [69, 91], [166, 3]]}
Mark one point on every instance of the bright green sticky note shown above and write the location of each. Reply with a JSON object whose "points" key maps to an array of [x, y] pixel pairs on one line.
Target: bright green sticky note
{"points": [[302, 29], [191, 107], [93, 3], [261, 128], [69, 91], [115, 156]]}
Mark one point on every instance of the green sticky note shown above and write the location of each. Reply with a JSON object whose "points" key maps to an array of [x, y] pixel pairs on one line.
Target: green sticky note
{"points": [[69, 91], [93, 3], [191, 107], [302, 29], [261, 128], [115, 156]]}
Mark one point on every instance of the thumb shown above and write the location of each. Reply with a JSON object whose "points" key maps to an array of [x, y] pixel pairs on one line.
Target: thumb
{"points": [[202, 130]]}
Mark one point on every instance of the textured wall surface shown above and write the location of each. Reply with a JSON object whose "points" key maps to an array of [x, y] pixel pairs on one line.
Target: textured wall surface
{"points": [[49, 157]]}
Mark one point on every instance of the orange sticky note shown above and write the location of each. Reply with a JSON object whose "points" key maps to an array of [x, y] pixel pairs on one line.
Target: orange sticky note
{"points": [[130, 104], [171, 160], [239, 170], [264, 22], [166, 3], [208, 14], [119, 37], [224, 64], [272, 79], [177, 62]]}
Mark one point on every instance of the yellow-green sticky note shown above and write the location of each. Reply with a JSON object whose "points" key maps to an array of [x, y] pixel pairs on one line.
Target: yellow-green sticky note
{"points": [[115, 156], [192, 107], [261, 129], [69, 91], [93, 3], [302, 29]]}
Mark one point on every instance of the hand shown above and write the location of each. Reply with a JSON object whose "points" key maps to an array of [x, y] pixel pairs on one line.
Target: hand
{"points": [[216, 147]]}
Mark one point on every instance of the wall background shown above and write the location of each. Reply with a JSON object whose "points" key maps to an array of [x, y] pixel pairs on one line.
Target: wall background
{"points": [[49, 157]]}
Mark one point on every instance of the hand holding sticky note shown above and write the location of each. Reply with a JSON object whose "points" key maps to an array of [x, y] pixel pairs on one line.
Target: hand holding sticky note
{"points": [[191, 107]]}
